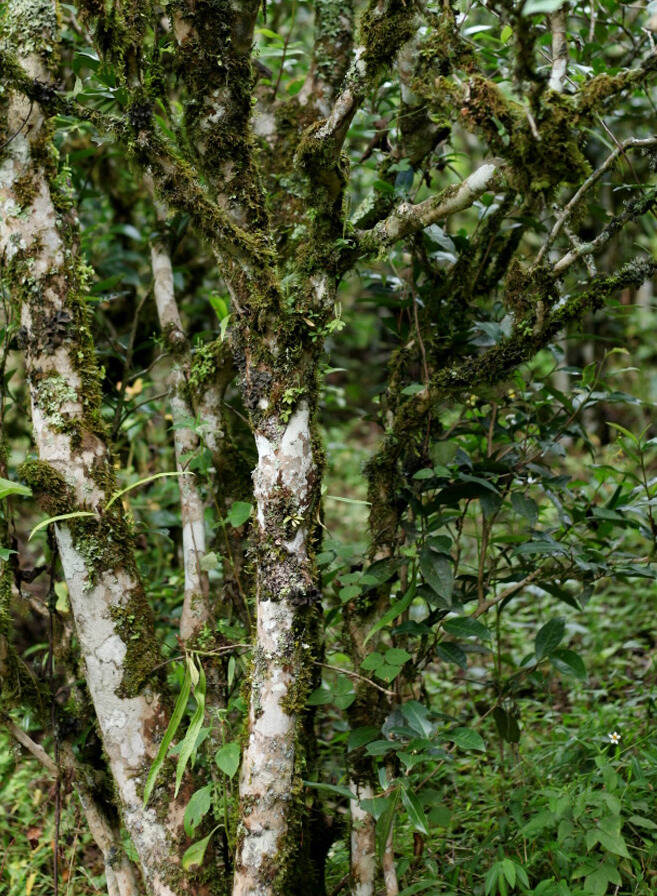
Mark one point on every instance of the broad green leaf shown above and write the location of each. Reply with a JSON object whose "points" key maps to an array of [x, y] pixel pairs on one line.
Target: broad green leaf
{"points": [[597, 882], [176, 718], [416, 716], [319, 697], [438, 573], [195, 724], [228, 758], [568, 662], [525, 507], [415, 812], [450, 652], [613, 842], [507, 725], [395, 656], [549, 637], [372, 661], [538, 823], [387, 673], [194, 855], [239, 513], [467, 739], [361, 736], [209, 561], [466, 627], [198, 806]]}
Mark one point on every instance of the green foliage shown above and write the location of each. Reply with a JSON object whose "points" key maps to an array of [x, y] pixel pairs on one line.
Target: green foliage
{"points": [[481, 568]]}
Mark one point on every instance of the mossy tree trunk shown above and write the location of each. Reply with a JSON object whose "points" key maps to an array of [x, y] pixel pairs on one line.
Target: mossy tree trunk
{"points": [[73, 473], [262, 180]]}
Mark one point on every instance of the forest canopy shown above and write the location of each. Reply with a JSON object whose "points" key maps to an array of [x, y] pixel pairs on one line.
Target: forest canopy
{"points": [[327, 447]]}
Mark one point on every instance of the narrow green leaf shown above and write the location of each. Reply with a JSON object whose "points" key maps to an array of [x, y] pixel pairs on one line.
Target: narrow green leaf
{"points": [[176, 718], [192, 732], [347, 500], [56, 519], [509, 871], [129, 488], [390, 615], [338, 789], [7, 487]]}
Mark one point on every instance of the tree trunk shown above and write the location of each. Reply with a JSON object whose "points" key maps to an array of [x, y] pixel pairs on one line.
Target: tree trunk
{"points": [[38, 238]]}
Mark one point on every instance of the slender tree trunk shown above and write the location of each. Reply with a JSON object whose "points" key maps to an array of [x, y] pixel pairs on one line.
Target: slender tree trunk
{"points": [[285, 480], [196, 610], [113, 621]]}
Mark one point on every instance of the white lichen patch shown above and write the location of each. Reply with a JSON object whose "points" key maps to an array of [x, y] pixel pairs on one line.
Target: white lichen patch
{"points": [[287, 463]]}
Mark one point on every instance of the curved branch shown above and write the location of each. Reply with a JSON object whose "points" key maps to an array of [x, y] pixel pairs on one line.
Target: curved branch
{"points": [[408, 218]]}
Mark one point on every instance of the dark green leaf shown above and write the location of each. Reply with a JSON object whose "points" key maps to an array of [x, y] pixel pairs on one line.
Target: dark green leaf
{"points": [[549, 637]]}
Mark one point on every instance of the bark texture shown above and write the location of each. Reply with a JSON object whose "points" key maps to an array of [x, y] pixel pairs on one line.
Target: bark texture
{"points": [[74, 470], [196, 609]]}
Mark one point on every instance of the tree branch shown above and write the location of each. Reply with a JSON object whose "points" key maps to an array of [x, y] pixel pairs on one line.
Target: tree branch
{"points": [[408, 218]]}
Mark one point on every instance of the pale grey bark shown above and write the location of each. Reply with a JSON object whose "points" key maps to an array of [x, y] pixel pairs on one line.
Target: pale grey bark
{"points": [[408, 218], [32, 234], [285, 461], [558, 22], [195, 610]]}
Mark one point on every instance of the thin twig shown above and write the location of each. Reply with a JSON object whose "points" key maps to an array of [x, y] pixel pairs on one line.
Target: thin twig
{"points": [[356, 675], [30, 745], [630, 143], [486, 605]]}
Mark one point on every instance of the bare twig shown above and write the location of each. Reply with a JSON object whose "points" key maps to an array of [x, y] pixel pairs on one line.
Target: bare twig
{"points": [[359, 677], [630, 143], [30, 745]]}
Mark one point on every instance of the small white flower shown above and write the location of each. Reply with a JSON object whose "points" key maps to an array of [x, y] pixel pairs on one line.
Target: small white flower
{"points": [[614, 737], [531, 480]]}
